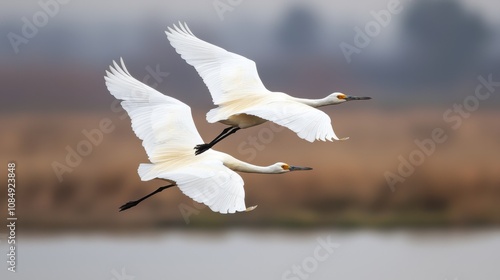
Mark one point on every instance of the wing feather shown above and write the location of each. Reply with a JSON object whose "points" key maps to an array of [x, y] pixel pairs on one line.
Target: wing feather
{"points": [[163, 123], [212, 184], [309, 123], [228, 76]]}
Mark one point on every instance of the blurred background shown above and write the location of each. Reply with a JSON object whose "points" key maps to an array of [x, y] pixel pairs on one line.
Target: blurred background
{"points": [[377, 192]]}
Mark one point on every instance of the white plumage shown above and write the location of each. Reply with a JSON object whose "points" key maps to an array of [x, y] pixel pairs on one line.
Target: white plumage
{"points": [[243, 101], [168, 134]]}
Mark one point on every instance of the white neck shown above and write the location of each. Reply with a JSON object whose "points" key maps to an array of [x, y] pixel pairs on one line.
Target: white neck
{"points": [[241, 166], [316, 102]]}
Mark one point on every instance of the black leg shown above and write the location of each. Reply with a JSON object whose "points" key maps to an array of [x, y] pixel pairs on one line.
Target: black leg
{"points": [[226, 130], [131, 204], [225, 133], [218, 136]]}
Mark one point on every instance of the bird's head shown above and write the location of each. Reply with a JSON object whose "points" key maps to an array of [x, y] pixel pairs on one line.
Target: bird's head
{"points": [[281, 167], [339, 97]]}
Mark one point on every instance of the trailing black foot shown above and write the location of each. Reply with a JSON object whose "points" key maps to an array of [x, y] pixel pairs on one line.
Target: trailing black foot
{"points": [[225, 133], [202, 148], [129, 204]]}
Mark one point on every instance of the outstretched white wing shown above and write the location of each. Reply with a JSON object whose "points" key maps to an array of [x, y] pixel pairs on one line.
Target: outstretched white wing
{"points": [[209, 182], [168, 132], [309, 123], [163, 123], [228, 76]]}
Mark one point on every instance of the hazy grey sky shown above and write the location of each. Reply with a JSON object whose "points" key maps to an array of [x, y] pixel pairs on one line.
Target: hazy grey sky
{"points": [[91, 33], [91, 10]]}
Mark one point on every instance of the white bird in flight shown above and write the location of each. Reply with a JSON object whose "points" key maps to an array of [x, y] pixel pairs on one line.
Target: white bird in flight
{"points": [[168, 134], [243, 100]]}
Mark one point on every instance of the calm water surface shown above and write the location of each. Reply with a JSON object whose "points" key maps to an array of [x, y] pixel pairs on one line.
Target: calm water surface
{"points": [[242, 254]]}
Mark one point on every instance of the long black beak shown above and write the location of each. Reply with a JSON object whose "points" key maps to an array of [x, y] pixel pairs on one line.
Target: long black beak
{"points": [[349, 98], [296, 168]]}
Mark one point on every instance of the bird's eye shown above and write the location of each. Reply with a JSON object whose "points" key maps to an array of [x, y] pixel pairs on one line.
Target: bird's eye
{"points": [[285, 166], [341, 96]]}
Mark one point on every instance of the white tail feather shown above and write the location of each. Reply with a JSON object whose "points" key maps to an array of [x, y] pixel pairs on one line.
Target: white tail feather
{"points": [[146, 172]]}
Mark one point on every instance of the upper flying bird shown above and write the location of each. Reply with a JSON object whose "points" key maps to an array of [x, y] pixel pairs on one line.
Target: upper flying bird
{"points": [[243, 100], [168, 134]]}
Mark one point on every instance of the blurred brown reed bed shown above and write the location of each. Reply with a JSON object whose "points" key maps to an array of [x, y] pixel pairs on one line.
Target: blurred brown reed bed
{"points": [[458, 185]]}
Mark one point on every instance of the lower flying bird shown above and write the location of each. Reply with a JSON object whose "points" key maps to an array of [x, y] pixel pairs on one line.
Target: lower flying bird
{"points": [[243, 99], [168, 134]]}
